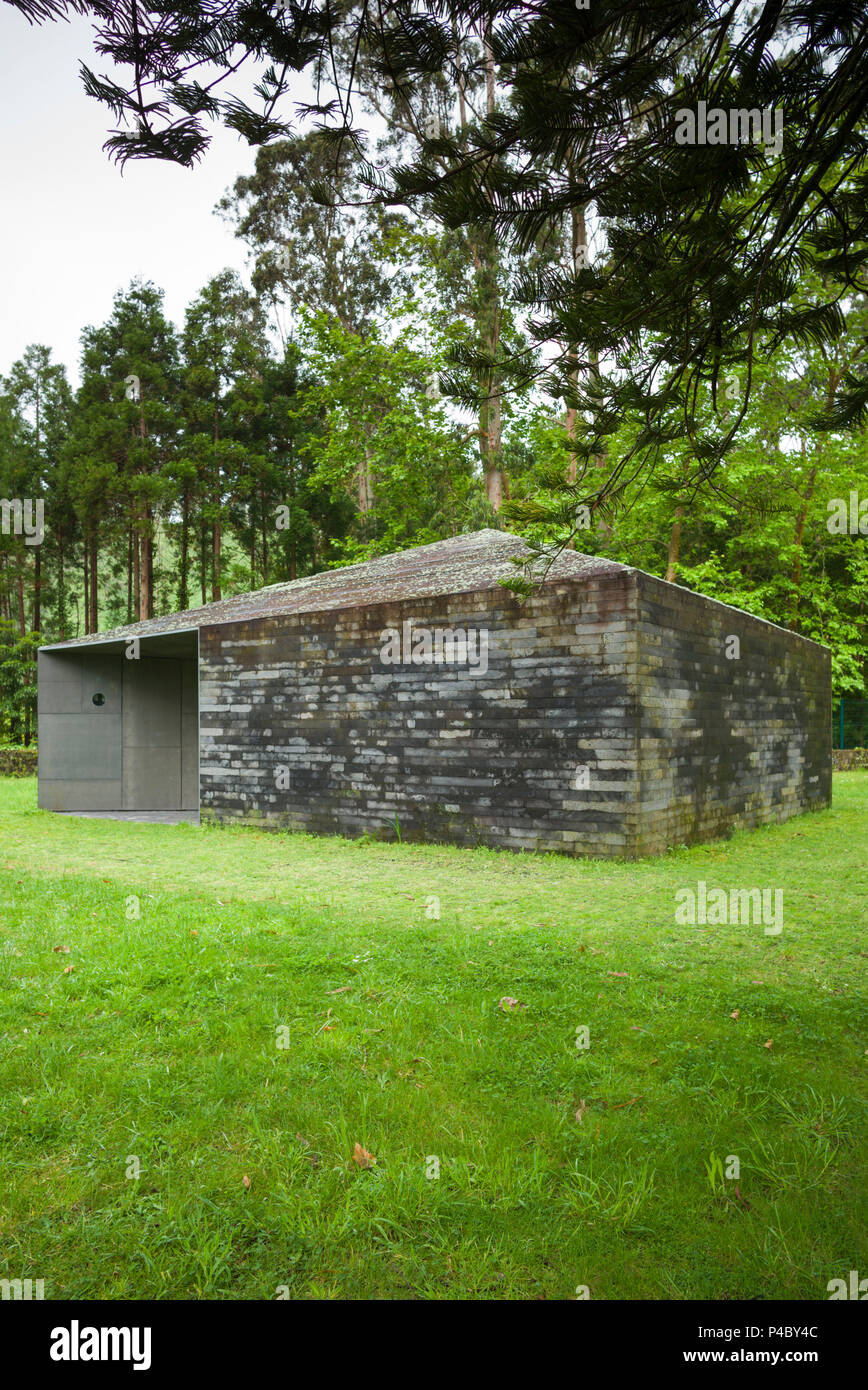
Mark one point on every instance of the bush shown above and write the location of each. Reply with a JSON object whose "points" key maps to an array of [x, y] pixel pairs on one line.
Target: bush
{"points": [[846, 759], [17, 762]]}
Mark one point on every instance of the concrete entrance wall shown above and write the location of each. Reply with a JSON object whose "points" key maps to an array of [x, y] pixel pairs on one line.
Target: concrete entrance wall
{"points": [[160, 732], [136, 749], [80, 744]]}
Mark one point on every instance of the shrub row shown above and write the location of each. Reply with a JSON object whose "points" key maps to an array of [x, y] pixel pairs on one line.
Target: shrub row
{"points": [[845, 759], [17, 762]]}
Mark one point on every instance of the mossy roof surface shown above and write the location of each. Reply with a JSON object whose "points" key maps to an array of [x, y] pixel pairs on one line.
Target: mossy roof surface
{"points": [[462, 564]]}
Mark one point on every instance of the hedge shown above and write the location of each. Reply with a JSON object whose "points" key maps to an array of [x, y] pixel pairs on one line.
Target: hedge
{"points": [[846, 759], [17, 762]]}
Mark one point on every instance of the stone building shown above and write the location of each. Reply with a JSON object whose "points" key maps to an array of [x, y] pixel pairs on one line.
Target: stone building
{"points": [[610, 714]]}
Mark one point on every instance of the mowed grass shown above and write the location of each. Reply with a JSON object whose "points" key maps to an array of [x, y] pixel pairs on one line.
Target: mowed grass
{"points": [[151, 1044]]}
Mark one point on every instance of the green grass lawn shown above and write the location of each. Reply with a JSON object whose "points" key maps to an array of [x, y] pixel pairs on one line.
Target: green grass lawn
{"points": [[280, 999]]}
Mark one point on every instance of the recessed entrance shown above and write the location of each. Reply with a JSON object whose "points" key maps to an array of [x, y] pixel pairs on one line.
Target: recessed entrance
{"points": [[120, 733]]}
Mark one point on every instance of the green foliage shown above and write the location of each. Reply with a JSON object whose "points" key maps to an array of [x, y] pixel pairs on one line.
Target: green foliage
{"points": [[328, 259], [17, 684], [16, 761], [384, 438], [755, 535]]}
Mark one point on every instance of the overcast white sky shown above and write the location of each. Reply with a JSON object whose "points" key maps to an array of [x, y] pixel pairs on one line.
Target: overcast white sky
{"points": [[74, 229]]}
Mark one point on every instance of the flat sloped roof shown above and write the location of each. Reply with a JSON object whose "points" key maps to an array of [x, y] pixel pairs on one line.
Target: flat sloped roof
{"points": [[459, 565]]}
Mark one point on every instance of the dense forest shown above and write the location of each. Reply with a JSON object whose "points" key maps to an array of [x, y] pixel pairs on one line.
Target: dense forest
{"points": [[377, 380]]}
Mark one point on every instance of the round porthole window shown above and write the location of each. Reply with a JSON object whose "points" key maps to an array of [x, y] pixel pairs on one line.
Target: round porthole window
{"points": [[99, 699]]}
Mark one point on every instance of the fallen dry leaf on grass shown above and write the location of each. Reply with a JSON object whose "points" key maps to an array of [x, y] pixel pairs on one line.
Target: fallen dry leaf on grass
{"points": [[768, 1044], [64, 950], [69, 969], [343, 989], [246, 1180], [507, 1003], [734, 1015], [362, 1157], [581, 1111]]}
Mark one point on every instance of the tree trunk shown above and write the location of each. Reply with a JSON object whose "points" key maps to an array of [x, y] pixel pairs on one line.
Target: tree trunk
{"points": [[578, 254], [137, 573], [488, 289], [462, 98], [494, 485], [215, 561], [264, 535], [147, 548], [94, 584], [216, 537], [183, 600], [144, 547], [604, 528], [798, 537], [86, 586], [37, 587], [491, 383], [364, 487], [129, 574], [292, 559], [674, 545], [61, 589]]}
